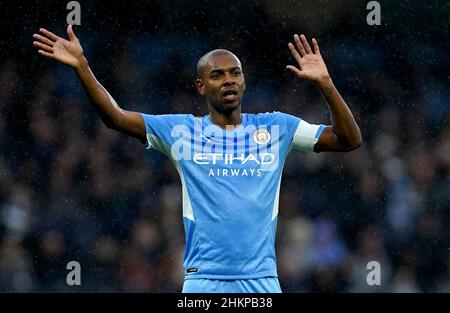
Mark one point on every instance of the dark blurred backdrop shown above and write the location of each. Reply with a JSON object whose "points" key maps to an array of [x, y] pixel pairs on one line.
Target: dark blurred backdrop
{"points": [[71, 189]]}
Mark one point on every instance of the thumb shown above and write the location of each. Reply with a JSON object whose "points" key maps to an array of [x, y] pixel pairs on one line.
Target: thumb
{"points": [[71, 33], [296, 71]]}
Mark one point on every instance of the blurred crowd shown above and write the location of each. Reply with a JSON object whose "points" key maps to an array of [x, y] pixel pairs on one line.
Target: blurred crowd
{"points": [[73, 190]]}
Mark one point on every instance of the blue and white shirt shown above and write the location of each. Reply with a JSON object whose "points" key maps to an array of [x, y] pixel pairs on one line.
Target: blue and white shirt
{"points": [[231, 182]]}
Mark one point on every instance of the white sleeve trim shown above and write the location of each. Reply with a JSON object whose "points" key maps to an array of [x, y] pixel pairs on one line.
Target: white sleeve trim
{"points": [[157, 144], [305, 136]]}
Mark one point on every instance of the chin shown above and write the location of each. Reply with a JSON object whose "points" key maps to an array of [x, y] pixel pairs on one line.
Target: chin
{"points": [[226, 107], [229, 107]]}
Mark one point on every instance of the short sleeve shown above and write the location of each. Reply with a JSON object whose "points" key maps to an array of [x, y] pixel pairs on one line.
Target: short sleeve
{"points": [[158, 131], [301, 135], [306, 136]]}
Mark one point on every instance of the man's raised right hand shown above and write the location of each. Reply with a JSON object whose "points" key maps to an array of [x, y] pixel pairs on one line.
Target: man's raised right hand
{"points": [[68, 52]]}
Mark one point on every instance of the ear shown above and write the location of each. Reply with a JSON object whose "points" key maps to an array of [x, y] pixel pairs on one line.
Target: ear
{"points": [[200, 86]]}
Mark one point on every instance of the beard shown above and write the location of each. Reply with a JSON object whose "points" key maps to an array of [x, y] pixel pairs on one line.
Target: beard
{"points": [[225, 107]]}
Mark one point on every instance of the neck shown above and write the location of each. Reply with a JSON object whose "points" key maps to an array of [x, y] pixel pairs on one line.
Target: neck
{"points": [[223, 120]]}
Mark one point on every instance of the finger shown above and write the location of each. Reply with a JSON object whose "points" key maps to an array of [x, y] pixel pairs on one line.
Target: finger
{"points": [[294, 53], [71, 33], [41, 46], [44, 40], [306, 44], [49, 34], [295, 70], [46, 54], [299, 45], [316, 46]]}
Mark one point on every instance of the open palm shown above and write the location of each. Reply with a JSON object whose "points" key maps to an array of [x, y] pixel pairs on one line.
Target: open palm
{"points": [[68, 52], [310, 64]]}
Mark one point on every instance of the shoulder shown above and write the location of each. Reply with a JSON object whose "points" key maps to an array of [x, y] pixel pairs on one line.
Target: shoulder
{"points": [[170, 118], [274, 117]]}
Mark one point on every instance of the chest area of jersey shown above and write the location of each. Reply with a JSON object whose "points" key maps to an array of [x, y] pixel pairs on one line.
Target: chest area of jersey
{"points": [[230, 153]]}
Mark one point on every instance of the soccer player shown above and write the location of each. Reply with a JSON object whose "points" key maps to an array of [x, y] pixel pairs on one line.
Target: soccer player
{"points": [[230, 163]]}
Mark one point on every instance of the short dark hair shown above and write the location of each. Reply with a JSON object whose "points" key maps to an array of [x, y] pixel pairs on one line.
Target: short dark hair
{"points": [[205, 58]]}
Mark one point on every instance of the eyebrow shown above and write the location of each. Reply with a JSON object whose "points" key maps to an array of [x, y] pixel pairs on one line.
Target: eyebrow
{"points": [[215, 70]]}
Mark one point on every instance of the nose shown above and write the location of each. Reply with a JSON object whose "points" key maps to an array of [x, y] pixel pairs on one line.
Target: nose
{"points": [[229, 80]]}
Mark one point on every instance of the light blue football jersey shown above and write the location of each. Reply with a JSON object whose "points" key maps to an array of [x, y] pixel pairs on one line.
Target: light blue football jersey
{"points": [[230, 182]]}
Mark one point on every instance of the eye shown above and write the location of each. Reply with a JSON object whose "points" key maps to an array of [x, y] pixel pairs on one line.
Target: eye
{"points": [[237, 72], [215, 75]]}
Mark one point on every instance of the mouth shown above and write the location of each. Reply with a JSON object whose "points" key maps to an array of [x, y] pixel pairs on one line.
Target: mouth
{"points": [[230, 94]]}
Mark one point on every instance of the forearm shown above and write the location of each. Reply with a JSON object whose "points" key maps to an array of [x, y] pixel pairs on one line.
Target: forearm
{"points": [[107, 108], [342, 120]]}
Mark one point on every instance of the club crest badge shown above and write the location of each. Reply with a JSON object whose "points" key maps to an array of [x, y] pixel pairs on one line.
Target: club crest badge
{"points": [[261, 136]]}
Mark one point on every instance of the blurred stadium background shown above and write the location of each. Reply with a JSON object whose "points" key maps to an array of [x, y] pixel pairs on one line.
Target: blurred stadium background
{"points": [[71, 189]]}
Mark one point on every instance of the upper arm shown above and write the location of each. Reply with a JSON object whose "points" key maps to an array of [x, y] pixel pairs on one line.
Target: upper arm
{"points": [[132, 124], [329, 141], [317, 138], [306, 135]]}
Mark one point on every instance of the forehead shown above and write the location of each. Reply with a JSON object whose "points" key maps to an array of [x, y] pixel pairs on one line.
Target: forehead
{"points": [[222, 61]]}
